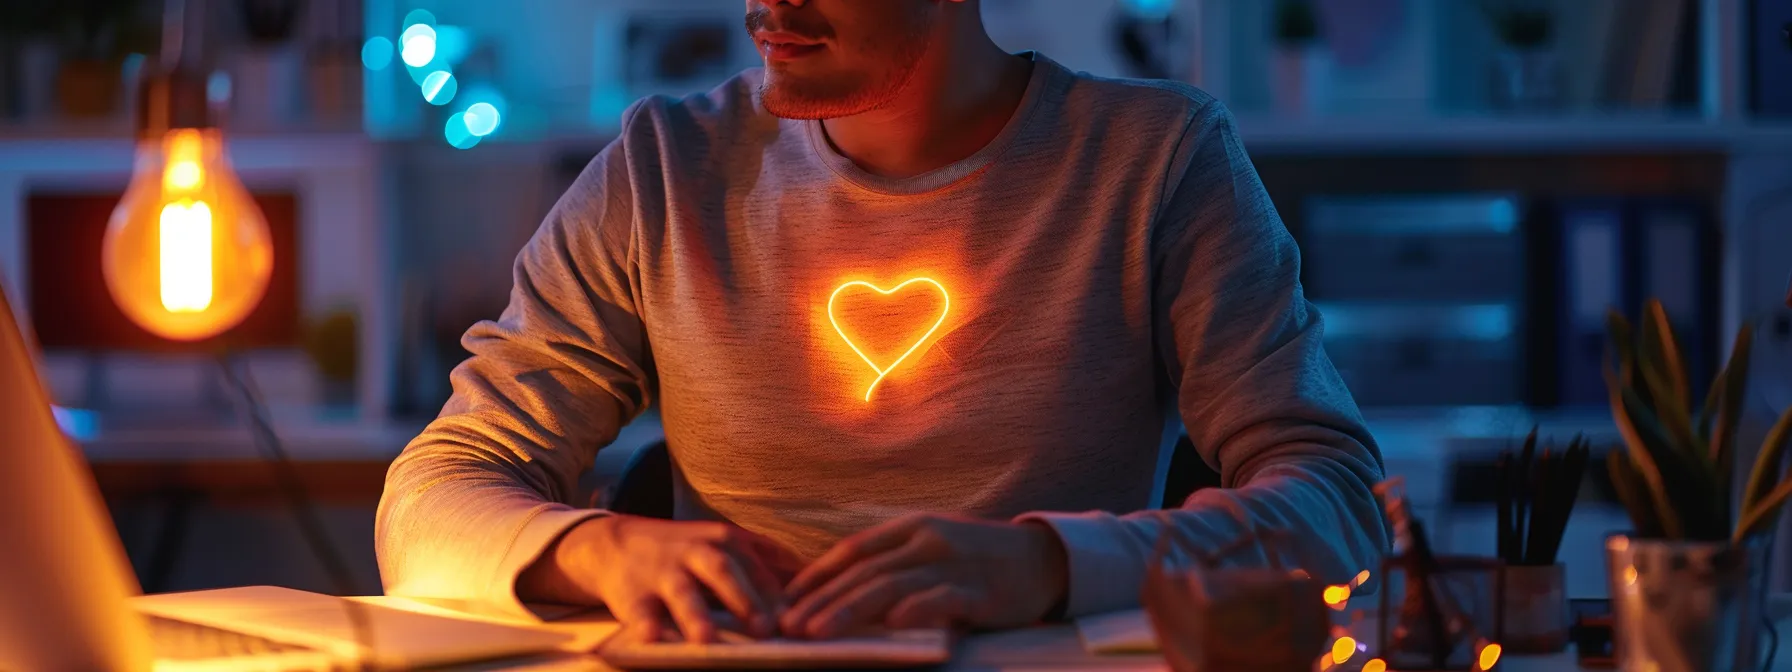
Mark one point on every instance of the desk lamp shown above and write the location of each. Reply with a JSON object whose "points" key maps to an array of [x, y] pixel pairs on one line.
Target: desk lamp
{"points": [[187, 254]]}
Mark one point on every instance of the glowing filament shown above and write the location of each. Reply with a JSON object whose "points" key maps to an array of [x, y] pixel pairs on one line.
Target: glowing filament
{"points": [[183, 172], [186, 257], [883, 371]]}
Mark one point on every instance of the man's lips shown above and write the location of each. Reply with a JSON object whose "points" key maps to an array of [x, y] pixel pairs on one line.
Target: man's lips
{"points": [[785, 46]]}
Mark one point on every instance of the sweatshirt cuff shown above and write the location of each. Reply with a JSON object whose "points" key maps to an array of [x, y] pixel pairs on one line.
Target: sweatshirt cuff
{"points": [[1105, 572], [541, 531]]}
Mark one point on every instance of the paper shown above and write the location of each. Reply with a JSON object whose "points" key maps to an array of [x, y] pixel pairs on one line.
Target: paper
{"points": [[900, 648], [1117, 632]]}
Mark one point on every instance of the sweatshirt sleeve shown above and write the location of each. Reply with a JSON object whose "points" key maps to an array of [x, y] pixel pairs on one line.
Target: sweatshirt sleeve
{"points": [[483, 491], [1262, 403]]}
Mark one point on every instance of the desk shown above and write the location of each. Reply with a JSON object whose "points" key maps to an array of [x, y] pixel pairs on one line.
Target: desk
{"points": [[1050, 647]]}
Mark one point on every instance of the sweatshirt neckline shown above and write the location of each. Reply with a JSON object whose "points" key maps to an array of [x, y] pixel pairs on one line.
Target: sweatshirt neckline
{"points": [[1046, 74]]}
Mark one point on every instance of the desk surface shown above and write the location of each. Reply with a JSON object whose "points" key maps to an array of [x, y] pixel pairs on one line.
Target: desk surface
{"points": [[1052, 647]]}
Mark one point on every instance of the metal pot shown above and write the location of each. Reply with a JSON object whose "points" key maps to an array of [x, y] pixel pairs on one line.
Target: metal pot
{"points": [[1682, 606]]}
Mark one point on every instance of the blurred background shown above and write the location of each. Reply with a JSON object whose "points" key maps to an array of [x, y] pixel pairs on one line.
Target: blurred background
{"points": [[1472, 183]]}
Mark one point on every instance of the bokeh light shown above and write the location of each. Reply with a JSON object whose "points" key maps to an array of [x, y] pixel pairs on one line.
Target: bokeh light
{"points": [[1336, 596], [457, 134], [452, 44], [439, 87], [1343, 649], [376, 54], [1490, 656], [1155, 10], [482, 119], [418, 45], [419, 17], [1375, 665], [217, 88]]}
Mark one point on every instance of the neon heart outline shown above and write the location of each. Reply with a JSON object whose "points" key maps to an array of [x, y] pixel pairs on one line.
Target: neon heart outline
{"points": [[882, 372]]}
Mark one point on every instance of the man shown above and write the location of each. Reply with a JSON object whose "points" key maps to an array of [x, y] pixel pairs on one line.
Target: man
{"points": [[913, 310]]}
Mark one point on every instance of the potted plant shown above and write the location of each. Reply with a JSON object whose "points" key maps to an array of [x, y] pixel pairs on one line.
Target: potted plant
{"points": [[1526, 73], [1300, 65], [1688, 584]]}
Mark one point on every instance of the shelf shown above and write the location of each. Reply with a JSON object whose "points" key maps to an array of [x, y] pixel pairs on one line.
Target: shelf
{"points": [[1268, 134]]}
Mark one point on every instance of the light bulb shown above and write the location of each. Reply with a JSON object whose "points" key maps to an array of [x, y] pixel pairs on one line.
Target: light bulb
{"points": [[187, 254]]}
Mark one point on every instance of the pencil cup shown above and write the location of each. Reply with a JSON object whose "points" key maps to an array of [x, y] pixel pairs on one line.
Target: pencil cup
{"points": [[1535, 609]]}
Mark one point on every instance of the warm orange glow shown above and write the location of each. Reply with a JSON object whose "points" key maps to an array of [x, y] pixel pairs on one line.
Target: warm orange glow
{"points": [[1325, 663], [1490, 654], [186, 249], [1375, 665], [1337, 596], [1362, 577], [883, 371], [1343, 649], [187, 254], [1630, 576], [186, 150]]}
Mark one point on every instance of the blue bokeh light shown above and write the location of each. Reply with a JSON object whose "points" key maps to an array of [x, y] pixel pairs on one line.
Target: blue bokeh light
{"points": [[1155, 10], [419, 17], [418, 45], [457, 134], [376, 54], [482, 119], [217, 88], [439, 87], [452, 44]]}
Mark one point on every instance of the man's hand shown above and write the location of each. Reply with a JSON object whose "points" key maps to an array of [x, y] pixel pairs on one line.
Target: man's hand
{"points": [[645, 569], [930, 571]]}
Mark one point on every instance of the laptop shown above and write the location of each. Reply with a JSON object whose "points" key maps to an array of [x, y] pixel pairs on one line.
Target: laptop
{"points": [[69, 600]]}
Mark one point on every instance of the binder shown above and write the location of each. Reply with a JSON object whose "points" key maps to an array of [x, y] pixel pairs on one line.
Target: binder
{"points": [[1671, 266], [1770, 58], [1592, 277], [1618, 254]]}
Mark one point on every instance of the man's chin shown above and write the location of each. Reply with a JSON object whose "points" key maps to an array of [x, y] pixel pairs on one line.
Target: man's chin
{"points": [[798, 102]]}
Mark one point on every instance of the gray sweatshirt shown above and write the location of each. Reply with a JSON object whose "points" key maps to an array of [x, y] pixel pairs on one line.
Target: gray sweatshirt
{"points": [[1013, 336]]}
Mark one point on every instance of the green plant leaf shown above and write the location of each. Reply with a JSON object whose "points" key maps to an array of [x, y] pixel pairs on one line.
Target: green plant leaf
{"points": [[1759, 518], [1767, 464], [1729, 406], [1667, 351], [1633, 494], [1708, 411], [1618, 334], [1671, 412], [1643, 457]]}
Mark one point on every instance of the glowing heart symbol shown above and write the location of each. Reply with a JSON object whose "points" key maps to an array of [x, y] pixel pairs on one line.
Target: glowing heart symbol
{"points": [[883, 371]]}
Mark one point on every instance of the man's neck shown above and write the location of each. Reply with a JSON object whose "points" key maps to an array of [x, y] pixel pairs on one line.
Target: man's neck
{"points": [[961, 96]]}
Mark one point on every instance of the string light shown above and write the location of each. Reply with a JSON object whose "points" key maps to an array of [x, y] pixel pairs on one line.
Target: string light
{"points": [[1343, 649], [885, 371], [1337, 597], [1490, 655]]}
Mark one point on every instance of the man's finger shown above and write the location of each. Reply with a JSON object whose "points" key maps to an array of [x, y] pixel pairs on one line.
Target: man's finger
{"points": [[869, 603], [738, 592], [938, 607], [643, 620], [689, 610], [795, 620], [850, 551]]}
